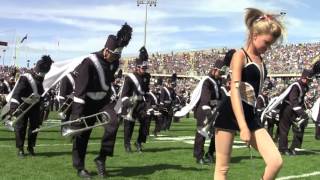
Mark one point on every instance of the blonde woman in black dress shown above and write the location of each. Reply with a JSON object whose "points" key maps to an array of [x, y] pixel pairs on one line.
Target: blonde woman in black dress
{"points": [[237, 112]]}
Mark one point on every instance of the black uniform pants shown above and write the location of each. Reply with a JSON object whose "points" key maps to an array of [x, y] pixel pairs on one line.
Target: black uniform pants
{"points": [[212, 146], [271, 124], [286, 117], [199, 141], [163, 119], [169, 120], [33, 117], [129, 127], [298, 136], [148, 123], [157, 122], [317, 130], [317, 126], [80, 141], [166, 119]]}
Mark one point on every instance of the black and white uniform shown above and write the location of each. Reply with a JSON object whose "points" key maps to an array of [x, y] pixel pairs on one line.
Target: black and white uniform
{"points": [[4, 90], [210, 93], [4, 87], [158, 119], [177, 104], [27, 84], [135, 85], [93, 78], [262, 102], [167, 95], [317, 124], [254, 76], [291, 108], [152, 105], [67, 86]]}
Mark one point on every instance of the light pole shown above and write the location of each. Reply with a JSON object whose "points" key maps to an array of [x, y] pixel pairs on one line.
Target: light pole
{"points": [[150, 3]]}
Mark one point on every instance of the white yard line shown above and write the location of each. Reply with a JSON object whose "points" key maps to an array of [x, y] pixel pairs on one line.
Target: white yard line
{"points": [[316, 173], [190, 140], [70, 144]]}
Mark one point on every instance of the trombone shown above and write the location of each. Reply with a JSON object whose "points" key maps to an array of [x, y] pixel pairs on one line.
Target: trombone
{"points": [[207, 130], [153, 112], [11, 119], [65, 107], [101, 117], [133, 103]]}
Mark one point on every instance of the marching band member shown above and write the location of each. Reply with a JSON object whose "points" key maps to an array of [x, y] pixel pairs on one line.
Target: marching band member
{"points": [[4, 85], [65, 93], [316, 107], [210, 95], [262, 101], [93, 78], [28, 84], [290, 111], [158, 119], [132, 98], [237, 112], [204, 99], [316, 117], [4, 90], [167, 97]]}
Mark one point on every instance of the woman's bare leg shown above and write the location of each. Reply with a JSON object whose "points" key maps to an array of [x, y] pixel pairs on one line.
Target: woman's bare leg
{"points": [[223, 141], [263, 143]]}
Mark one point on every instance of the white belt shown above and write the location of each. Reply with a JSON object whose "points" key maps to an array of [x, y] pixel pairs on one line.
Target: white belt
{"points": [[96, 95]]}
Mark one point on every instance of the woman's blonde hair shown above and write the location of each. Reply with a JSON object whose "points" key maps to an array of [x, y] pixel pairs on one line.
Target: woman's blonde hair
{"points": [[259, 22]]}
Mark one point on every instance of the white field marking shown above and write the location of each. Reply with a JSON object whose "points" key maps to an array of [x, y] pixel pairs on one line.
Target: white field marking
{"points": [[316, 173], [305, 150], [208, 143], [159, 135], [311, 125], [190, 140], [70, 144]]}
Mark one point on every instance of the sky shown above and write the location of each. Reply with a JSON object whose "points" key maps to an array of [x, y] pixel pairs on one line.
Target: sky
{"points": [[66, 29]]}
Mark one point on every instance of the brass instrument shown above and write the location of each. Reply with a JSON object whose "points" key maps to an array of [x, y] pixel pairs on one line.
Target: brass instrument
{"points": [[11, 119], [207, 130], [133, 103], [101, 117], [153, 112], [65, 107]]}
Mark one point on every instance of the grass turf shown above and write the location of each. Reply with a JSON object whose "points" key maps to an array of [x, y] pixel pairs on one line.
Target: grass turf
{"points": [[164, 158]]}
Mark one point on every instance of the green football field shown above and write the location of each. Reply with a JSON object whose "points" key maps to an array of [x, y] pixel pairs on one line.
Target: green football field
{"points": [[166, 157]]}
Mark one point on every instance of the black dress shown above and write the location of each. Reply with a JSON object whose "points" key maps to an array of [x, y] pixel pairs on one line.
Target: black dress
{"points": [[253, 75]]}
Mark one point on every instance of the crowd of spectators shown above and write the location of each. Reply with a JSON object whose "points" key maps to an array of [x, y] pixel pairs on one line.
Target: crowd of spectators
{"points": [[291, 58], [282, 59]]}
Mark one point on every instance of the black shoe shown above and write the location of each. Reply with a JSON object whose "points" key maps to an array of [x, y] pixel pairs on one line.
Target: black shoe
{"points": [[83, 173], [155, 134], [31, 151], [285, 152], [21, 153], [317, 137], [128, 148], [209, 158], [138, 146], [101, 167], [64, 129], [293, 152], [202, 161]]}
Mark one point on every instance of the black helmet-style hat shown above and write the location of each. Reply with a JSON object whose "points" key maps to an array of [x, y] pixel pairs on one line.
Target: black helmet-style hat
{"points": [[43, 65], [142, 61], [115, 44]]}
